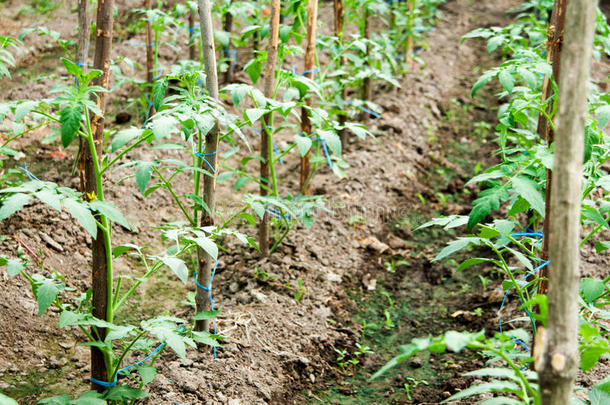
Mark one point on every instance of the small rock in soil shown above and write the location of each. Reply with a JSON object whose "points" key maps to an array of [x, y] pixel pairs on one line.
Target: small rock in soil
{"points": [[373, 243], [258, 295], [369, 283], [50, 242]]}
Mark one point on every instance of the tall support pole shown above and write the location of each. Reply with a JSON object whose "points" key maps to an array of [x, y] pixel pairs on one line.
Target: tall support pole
{"points": [[557, 364]]}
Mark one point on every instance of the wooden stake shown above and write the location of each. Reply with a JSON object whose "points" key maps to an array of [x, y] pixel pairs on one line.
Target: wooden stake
{"points": [[266, 143], [558, 363], [192, 38], [100, 283], [554, 45], [84, 35], [339, 14], [310, 64], [206, 262], [228, 27]]}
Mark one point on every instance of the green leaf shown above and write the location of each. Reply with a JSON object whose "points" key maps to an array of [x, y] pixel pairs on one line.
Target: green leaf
{"points": [[164, 126], [63, 399], [23, 109], [501, 401], [254, 68], [14, 266], [71, 67], [89, 398], [143, 174], [592, 289], [240, 182], [159, 88], [333, 142], [478, 213], [68, 318], [4, 400], [457, 245], [483, 80], [82, 215], [123, 392], [471, 262], [600, 246], [600, 394], [594, 215], [205, 315], [122, 249], [591, 355], [13, 204], [49, 197], [494, 386], [407, 351], [527, 189], [507, 80], [70, 120], [45, 295], [529, 77], [456, 341], [177, 266], [303, 144], [205, 338], [124, 136], [603, 116], [110, 211], [208, 246], [147, 374], [254, 114]]}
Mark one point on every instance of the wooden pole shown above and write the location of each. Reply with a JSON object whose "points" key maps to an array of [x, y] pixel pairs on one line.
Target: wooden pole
{"points": [[228, 27], [339, 14], [309, 66], [84, 34], [100, 283], [554, 45], [558, 363], [192, 38], [206, 262], [266, 144]]}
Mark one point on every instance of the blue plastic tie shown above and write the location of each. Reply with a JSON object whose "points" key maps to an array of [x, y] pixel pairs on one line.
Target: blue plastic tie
{"points": [[260, 131], [233, 54], [366, 110], [28, 172], [294, 73], [209, 290], [203, 155], [276, 213], [106, 384], [536, 270], [82, 63], [330, 162], [191, 29]]}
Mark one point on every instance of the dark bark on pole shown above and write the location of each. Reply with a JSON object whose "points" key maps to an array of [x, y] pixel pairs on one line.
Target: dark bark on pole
{"points": [[339, 14], [557, 363], [228, 27], [84, 34], [206, 262], [310, 64], [192, 38], [554, 44], [269, 89], [99, 282]]}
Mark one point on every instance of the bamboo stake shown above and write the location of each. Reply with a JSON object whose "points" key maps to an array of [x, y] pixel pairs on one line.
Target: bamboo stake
{"points": [[150, 63], [101, 277], [206, 262], [310, 64], [409, 45], [365, 90], [558, 363], [266, 133]]}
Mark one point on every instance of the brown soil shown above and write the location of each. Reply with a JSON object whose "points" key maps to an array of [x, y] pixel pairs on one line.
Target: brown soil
{"points": [[275, 348]]}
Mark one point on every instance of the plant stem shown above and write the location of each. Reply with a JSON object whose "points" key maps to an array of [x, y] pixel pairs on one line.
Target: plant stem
{"points": [[168, 186]]}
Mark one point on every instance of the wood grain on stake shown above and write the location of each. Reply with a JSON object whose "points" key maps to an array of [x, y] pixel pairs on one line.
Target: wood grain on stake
{"points": [[558, 360], [206, 262], [266, 144], [310, 64]]}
